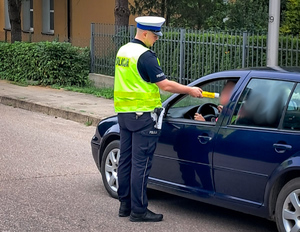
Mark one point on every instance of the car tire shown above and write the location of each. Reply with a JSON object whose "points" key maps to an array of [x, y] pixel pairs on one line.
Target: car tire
{"points": [[109, 166], [287, 212]]}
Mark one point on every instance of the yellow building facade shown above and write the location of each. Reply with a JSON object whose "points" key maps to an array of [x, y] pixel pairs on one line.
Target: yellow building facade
{"points": [[62, 20]]}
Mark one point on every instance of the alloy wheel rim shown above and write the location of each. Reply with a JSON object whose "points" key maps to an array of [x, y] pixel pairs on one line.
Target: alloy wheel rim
{"points": [[111, 166], [291, 212]]}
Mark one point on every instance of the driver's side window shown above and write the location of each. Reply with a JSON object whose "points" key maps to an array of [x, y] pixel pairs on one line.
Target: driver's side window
{"points": [[187, 107]]}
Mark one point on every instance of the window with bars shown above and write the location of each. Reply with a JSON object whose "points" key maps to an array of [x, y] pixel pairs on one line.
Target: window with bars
{"points": [[7, 22], [27, 15], [52, 16], [48, 16], [31, 15]]}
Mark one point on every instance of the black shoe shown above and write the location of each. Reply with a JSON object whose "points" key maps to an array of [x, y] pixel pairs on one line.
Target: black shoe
{"points": [[124, 210], [146, 217]]}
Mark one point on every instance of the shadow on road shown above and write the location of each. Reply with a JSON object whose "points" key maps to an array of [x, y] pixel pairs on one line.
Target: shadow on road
{"points": [[229, 218]]}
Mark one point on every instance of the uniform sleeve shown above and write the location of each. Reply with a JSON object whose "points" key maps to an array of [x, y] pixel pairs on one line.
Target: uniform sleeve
{"points": [[149, 68]]}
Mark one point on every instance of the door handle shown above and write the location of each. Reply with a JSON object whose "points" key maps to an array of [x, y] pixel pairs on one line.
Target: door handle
{"points": [[203, 139], [281, 148]]}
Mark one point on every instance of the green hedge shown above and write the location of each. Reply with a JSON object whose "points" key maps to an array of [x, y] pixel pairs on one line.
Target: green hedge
{"points": [[44, 63], [207, 52]]}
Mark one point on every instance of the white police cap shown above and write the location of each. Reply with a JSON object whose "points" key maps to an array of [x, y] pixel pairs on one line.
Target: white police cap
{"points": [[150, 23]]}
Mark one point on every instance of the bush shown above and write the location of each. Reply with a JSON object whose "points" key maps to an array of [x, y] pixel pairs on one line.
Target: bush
{"points": [[44, 63]]}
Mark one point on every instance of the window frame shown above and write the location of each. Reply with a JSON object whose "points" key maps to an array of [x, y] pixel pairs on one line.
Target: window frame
{"points": [[27, 12], [7, 25], [281, 124], [47, 12], [51, 13], [31, 15]]}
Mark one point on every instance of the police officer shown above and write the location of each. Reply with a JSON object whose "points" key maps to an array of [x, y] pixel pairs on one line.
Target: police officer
{"points": [[138, 78]]}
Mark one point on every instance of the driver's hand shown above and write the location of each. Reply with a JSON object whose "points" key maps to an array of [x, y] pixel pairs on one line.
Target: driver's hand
{"points": [[195, 92], [220, 108], [199, 117]]}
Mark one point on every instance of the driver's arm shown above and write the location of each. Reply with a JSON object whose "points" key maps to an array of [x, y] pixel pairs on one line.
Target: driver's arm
{"points": [[174, 87], [199, 117]]}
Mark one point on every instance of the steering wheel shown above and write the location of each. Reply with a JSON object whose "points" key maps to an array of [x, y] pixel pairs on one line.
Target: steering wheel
{"points": [[209, 111]]}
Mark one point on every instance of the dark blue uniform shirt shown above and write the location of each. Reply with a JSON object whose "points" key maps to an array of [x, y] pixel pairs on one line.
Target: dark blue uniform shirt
{"points": [[148, 66]]}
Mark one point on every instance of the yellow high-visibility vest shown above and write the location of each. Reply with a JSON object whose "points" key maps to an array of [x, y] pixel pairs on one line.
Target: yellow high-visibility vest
{"points": [[131, 92]]}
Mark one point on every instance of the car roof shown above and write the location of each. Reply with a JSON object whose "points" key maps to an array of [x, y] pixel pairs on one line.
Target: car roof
{"points": [[291, 69], [287, 73]]}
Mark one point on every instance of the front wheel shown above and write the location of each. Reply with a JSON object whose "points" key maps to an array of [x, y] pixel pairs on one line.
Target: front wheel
{"points": [[109, 167], [287, 212]]}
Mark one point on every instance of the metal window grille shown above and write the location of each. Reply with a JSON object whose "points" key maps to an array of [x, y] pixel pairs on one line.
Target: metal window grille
{"points": [[31, 15]]}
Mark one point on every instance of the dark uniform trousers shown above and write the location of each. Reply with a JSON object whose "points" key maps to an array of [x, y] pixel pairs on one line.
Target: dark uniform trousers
{"points": [[137, 145]]}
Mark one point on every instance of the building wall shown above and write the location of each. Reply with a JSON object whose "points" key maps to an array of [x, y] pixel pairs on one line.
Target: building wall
{"points": [[60, 23], [83, 13], [2, 20], [60, 19]]}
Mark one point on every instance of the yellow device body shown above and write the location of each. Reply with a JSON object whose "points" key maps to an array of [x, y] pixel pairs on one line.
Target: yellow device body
{"points": [[210, 94]]}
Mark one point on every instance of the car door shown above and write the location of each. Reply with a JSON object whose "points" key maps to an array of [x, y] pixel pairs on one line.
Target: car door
{"points": [[183, 158], [252, 145]]}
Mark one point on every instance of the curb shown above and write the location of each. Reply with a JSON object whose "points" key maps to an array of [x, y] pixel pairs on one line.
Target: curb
{"points": [[30, 106]]}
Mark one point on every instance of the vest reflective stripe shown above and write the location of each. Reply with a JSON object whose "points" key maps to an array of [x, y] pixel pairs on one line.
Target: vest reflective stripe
{"points": [[140, 104], [134, 95], [131, 92]]}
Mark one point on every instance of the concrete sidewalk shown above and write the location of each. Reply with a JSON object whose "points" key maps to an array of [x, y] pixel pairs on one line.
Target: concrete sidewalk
{"points": [[74, 106]]}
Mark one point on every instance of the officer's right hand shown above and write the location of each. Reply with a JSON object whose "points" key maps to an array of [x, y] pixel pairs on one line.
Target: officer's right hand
{"points": [[195, 92]]}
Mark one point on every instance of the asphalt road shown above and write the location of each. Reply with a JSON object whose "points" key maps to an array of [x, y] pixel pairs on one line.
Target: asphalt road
{"points": [[49, 182]]}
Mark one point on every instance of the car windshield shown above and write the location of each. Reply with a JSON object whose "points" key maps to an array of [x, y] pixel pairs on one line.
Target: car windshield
{"points": [[165, 95]]}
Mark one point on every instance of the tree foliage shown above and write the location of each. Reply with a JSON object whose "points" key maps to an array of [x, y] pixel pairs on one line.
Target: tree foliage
{"points": [[197, 13], [163, 8], [207, 14], [248, 15], [291, 17], [179, 13]]}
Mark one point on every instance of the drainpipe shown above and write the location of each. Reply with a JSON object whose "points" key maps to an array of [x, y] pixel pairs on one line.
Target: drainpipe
{"points": [[69, 20]]}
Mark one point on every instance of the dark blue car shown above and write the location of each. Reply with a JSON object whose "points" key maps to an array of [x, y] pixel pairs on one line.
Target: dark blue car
{"points": [[246, 157]]}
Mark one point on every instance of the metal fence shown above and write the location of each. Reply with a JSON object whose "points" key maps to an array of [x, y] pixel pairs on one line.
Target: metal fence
{"points": [[186, 55]]}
